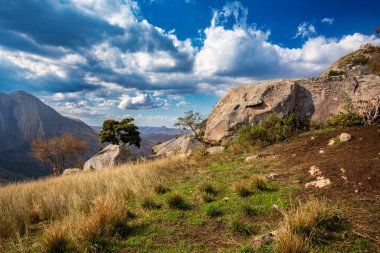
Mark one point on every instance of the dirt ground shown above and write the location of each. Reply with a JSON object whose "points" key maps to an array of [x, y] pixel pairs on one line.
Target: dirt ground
{"points": [[353, 167]]}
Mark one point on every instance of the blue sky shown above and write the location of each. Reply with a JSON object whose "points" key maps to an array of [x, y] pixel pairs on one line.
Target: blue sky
{"points": [[154, 59]]}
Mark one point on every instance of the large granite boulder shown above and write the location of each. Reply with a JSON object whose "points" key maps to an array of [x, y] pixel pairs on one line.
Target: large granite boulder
{"points": [[180, 145], [108, 157], [313, 99]]}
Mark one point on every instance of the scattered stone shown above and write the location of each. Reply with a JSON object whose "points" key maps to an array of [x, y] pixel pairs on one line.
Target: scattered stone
{"points": [[251, 158], [343, 170], [71, 171], [273, 175], [294, 155], [343, 137], [312, 138], [315, 171], [215, 150], [276, 207], [331, 142], [226, 199], [264, 239], [344, 178], [319, 183], [321, 151]]}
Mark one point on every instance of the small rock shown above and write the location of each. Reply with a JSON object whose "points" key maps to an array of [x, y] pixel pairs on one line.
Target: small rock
{"points": [[343, 137], [315, 171], [320, 183], [250, 159], [226, 199], [264, 239], [272, 175], [331, 142], [321, 151], [71, 171], [215, 150], [312, 138], [276, 207], [294, 155]]}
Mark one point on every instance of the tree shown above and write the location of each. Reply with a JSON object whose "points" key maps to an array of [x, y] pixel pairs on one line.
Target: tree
{"points": [[377, 31], [59, 152], [116, 132], [192, 120]]}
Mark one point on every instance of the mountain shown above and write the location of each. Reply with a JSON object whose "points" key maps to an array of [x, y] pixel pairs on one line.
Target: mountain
{"points": [[355, 76], [23, 118]]}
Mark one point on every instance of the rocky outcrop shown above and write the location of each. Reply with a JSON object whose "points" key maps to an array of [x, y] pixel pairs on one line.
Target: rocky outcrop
{"points": [[312, 99], [181, 145], [215, 150], [72, 171], [108, 157]]}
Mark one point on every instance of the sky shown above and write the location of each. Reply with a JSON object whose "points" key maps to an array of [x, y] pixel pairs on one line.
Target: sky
{"points": [[154, 59]]}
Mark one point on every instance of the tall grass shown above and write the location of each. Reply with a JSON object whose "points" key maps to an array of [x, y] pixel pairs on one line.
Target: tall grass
{"points": [[70, 197]]}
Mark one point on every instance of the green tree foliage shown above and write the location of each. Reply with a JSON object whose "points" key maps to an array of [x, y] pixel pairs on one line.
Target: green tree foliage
{"points": [[116, 132], [192, 120]]}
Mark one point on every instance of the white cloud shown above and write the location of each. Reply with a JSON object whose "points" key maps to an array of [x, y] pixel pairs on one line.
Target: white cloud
{"points": [[181, 103], [305, 29], [328, 21], [140, 101]]}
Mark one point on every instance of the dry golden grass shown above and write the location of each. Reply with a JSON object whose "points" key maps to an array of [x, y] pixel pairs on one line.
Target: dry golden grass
{"points": [[71, 198], [305, 225]]}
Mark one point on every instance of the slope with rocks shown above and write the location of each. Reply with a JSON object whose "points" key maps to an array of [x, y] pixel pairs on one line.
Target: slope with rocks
{"points": [[23, 118], [313, 99]]}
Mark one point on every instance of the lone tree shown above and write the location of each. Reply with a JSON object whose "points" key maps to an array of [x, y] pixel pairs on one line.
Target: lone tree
{"points": [[59, 152], [117, 132], [192, 120]]}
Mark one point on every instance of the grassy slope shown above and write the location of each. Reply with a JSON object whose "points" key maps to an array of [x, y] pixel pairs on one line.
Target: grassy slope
{"points": [[223, 225]]}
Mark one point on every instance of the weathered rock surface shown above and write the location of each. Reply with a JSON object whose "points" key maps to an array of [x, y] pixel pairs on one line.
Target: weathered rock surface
{"points": [[343, 137], [72, 171], [181, 145], [108, 157], [215, 150], [313, 99]]}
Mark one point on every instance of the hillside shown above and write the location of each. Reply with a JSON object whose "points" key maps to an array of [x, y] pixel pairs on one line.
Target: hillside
{"points": [[206, 203], [23, 118]]}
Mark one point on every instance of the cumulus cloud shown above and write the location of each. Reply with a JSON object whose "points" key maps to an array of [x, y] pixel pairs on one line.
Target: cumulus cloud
{"points": [[140, 101], [305, 29], [328, 21]]}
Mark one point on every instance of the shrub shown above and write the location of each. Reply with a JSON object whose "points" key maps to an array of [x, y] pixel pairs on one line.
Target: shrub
{"points": [[57, 240], [259, 183], [207, 188], [335, 73], [241, 228], [242, 190], [106, 219], [248, 210], [207, 198], [349, 118], [270, 130], [148, 203], [176, 201], [310, 223], [214, 211], [160, 188]]}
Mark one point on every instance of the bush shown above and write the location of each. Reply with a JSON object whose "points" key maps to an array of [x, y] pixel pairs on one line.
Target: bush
{"points": [[57, 240], [270, 130], [207, 198], [248, 210], [241, 228], [335, 73], [207, 188], [160, 188], [242, 190], [350, 118], [307, 224], [148, 203], [214, 211], [176, 201], [259, 183]]}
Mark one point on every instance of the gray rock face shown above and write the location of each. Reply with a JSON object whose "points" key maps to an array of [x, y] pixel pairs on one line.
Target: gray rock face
{"points": [[313, 99], [108, 157], [181, 145]]}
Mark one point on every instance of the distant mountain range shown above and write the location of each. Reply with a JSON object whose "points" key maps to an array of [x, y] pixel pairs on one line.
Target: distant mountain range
{"points": [[23, 118]]}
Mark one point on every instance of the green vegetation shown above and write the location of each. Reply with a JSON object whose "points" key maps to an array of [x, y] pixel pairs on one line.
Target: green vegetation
{"points": [[270, 130], [349, 118], [336, 73], [124, 131]]}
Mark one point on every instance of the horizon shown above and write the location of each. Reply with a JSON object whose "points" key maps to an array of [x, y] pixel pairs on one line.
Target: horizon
{"points": [[154, 59]]}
